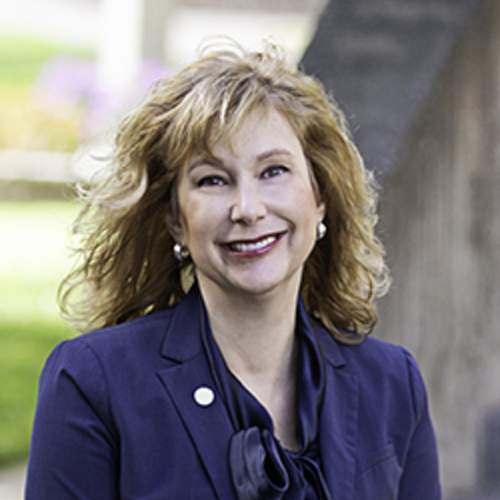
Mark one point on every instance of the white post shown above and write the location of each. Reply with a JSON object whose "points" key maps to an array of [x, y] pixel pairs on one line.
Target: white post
{"points": [[119, 51], [154, 18], [131, 30]]}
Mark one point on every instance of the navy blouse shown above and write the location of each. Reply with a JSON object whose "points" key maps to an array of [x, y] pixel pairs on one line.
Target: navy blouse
{"points": [[261, 467]]}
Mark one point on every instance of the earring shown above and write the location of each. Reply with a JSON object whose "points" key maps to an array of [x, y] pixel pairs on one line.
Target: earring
{"points": [[180, 252], [320, 231]]}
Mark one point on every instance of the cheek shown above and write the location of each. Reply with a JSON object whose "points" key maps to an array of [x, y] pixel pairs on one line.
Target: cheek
{"points": [[308, 208], [189, 213], [192, 220], [200, 221]]}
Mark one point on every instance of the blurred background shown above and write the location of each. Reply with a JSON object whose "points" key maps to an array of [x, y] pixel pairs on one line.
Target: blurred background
{"points": [[419, 81]]}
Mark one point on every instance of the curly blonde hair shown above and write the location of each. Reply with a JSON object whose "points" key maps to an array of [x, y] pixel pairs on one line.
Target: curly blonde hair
{"points": [[127, 267]]}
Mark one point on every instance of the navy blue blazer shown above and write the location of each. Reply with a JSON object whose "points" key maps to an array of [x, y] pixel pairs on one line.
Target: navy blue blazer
{"points": [[117, 419]]}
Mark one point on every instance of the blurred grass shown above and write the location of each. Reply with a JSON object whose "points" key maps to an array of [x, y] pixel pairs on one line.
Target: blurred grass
{"points": [[22, 59], [33, 259]]}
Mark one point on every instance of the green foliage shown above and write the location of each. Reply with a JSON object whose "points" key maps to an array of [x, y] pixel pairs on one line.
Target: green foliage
{"points": [[22, 59], [33, 260]]}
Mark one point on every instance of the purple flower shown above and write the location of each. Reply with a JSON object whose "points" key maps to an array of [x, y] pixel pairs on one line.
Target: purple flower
{"points": [[74, 82]]}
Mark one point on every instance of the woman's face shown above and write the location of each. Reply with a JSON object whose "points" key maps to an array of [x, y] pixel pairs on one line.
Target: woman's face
{"points": [[249, 219]]}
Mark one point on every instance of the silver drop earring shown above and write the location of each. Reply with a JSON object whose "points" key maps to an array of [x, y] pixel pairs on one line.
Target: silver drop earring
{"points": [[180, 252], [320, 231]]}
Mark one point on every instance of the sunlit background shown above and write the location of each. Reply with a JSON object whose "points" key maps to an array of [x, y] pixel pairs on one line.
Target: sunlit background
{"points": [[69, 69]]}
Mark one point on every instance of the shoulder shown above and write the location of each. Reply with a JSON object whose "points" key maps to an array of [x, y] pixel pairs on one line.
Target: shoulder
{"points": [[366, 351], [376, 355], [368, 354], [102, 365], [146, 329], [381, 367], [125, 344]]}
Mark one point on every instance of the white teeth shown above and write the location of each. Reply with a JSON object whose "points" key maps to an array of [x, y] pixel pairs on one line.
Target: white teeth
{"points": [[250, 247]]}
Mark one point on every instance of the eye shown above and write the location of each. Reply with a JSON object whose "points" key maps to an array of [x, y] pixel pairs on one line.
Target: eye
{"points": [[274, 171], [211, 180]]}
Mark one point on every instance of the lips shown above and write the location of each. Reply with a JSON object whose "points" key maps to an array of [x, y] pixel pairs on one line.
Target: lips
{"points": [[256, 246]]}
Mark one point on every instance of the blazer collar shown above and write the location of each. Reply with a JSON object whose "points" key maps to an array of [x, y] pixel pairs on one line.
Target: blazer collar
{"points": [[329, 347], [183, 340], [180, 346]]}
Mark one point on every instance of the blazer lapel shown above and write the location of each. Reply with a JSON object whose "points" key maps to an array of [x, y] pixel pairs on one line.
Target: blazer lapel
{"points": [[206, 420], [338, 424]]}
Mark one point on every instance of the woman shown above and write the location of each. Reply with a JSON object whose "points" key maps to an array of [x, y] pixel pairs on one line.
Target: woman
{"points": [[229, 268]]}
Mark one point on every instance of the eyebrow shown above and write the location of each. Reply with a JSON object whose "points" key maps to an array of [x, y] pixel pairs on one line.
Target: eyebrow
{"points": [[204, 161], [273, 152], [215, 162]]}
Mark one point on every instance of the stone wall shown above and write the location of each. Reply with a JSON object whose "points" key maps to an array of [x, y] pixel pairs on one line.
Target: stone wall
{"points": [[381, 59], [440, 220]]}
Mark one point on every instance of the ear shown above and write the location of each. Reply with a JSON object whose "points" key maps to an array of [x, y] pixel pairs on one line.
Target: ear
{"points": [[174, 226], [321, 211], [320, 204]]}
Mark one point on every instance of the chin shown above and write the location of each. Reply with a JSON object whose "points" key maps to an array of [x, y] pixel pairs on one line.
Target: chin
{"points": [[255, 287]]}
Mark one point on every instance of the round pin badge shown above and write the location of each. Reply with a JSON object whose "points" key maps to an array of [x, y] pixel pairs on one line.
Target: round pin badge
{"points": [[204, 396]]}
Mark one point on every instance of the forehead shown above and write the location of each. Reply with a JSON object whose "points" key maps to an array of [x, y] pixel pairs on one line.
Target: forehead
{"points": [[261, 129], [263, 126]]}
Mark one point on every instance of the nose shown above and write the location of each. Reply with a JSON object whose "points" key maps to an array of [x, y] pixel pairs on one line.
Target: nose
{"points": [[248, 204]]}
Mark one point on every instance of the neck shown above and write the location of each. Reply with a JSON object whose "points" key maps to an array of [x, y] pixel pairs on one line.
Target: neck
{"points": [[255, 333]]}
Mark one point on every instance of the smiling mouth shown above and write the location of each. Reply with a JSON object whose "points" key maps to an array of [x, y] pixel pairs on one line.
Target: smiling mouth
{"points": [[254, 246]]}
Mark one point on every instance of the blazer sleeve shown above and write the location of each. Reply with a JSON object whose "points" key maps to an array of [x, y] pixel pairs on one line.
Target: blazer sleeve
{"points": [[74, 449], [420, 479]]}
